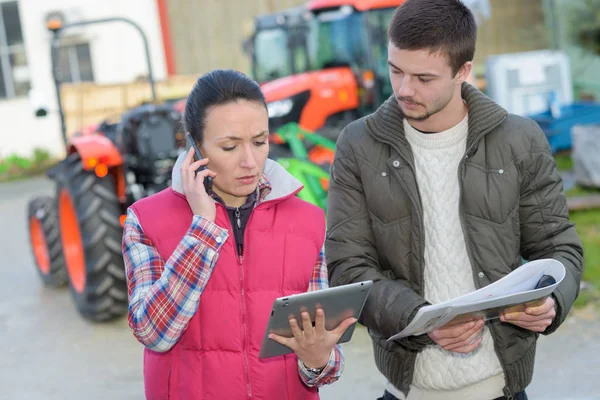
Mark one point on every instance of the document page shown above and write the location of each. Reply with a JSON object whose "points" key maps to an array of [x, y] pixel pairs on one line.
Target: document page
{"points": [[518, 287]]}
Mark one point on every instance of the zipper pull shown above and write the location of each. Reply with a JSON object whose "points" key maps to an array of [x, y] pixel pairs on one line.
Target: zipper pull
{"points": [[240, 253], [237, 216]]}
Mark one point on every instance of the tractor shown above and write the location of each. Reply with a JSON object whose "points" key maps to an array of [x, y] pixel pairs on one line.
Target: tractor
{"points": [[76, 235], [323, 65]]}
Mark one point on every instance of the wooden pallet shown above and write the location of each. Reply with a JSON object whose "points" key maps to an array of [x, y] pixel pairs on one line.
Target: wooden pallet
{"points": [[90, 103]]}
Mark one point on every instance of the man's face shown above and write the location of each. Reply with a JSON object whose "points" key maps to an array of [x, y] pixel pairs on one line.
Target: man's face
{"points": [[423, 82]]}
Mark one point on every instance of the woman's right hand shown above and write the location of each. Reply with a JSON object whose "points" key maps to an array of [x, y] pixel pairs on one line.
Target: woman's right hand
{"points": [[193, 187]]}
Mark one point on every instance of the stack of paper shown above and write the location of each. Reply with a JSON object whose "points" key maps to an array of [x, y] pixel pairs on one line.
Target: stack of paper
{"points": [[518, 287]]}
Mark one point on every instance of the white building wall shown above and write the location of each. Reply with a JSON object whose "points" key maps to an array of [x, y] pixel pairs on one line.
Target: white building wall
{"points": [[117, 55]]}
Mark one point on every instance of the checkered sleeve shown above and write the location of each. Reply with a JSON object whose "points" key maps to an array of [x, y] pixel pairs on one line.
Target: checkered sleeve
{"points": [[335, 366], [164, 295]]}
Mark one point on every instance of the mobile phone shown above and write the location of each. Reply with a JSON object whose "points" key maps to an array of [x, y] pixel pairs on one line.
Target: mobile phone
{"points": [[197, 157], [546, 280]]}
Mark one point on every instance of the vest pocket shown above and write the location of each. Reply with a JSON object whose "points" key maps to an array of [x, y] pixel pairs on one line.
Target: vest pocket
{"points": [[157, 374], [189, 382]]}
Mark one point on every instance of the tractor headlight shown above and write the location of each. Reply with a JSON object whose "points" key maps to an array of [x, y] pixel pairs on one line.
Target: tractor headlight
{"points": [[280, 108]]}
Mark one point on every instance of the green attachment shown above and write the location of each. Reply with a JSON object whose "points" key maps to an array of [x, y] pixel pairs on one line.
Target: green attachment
{"points": [[294, 136], [310, 175]]}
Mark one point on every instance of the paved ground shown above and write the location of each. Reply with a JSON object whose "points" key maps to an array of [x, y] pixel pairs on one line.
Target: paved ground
{"points": [[51, 353]]}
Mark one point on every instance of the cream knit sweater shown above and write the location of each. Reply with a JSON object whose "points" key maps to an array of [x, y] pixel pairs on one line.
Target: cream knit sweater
{"points": [[448, 271]]}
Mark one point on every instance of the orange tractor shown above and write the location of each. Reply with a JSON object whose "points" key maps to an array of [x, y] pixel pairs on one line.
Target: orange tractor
{"points": [[323, 65], [76, 235]]}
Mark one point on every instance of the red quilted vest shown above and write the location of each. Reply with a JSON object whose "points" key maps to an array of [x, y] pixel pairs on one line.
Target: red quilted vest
{"points": [[217, 356]]}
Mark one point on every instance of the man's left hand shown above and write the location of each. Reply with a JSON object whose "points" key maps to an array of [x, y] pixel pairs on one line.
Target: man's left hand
{"points": [[536, 316]]}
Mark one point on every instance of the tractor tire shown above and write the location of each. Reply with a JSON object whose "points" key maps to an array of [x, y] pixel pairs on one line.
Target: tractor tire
{"points": [[44, 238], [91, 232]]}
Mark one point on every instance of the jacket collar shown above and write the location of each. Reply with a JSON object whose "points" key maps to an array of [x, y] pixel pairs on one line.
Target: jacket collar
{"points": [[386, 124], [275, 183]]}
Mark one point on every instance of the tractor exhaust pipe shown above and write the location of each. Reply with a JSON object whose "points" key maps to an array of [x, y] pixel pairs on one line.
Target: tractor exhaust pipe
{"points": [[56, 27]]}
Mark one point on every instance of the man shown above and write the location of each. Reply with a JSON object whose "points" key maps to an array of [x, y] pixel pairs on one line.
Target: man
{"points": [[438, 193]]}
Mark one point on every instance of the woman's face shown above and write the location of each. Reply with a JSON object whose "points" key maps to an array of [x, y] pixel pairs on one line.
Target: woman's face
{"points": [[236, 142]]}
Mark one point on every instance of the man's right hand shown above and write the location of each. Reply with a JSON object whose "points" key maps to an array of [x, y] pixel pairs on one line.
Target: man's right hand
{"points": [[193, 187], [459, 338]]}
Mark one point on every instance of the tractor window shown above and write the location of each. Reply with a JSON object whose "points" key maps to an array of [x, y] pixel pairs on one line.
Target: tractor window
{"points": [[378, 21], [300, 60], [298, 49], [337, 39], [272, 55]]}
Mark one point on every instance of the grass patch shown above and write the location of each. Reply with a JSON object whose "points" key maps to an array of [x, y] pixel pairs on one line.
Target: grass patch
{"points": [[587, 223], [578, 191], [564, 162], [16, 167], [588, 226]]}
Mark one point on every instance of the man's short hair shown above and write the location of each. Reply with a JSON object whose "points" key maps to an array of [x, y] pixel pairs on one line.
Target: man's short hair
{"points": [[442, 26]]}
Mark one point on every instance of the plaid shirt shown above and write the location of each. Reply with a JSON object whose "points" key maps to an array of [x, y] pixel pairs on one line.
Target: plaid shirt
{"points": [[164, 295]]}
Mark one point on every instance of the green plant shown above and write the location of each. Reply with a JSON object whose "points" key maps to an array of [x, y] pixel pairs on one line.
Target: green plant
{"points": [[41, 156], [584, 23], [17, 166], [587, 224], [564, 162], [16, 161]]}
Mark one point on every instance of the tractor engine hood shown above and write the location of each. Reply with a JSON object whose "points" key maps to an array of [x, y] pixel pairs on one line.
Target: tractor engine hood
{"points": [[293, 98]]}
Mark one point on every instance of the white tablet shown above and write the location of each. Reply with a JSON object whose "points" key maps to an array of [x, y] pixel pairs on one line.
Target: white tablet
{"points": [[338, 303]]}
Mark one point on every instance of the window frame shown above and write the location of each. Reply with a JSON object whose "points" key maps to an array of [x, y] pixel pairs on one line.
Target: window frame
{"points": [[6, 52], [70, 45]]}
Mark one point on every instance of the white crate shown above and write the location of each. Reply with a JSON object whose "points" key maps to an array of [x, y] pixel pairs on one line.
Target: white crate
{"points": [[522, 83]]}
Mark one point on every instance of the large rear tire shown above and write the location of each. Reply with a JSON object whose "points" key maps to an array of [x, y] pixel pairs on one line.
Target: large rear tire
{"points": [[89, 212], [44, 238]]}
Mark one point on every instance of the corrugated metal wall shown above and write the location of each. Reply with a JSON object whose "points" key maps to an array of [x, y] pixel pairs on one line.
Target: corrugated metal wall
{"points": [[208, 34], [514, 26]]}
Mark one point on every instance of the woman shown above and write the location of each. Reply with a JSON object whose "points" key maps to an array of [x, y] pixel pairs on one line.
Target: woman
{"points": [[203, 269]]}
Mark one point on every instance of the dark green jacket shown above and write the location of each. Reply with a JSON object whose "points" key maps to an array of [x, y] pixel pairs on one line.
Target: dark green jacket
{"points": [[511, 206]]}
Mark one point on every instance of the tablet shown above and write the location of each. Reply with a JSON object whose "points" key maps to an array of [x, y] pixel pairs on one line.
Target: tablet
{"points": [[338, 303]]}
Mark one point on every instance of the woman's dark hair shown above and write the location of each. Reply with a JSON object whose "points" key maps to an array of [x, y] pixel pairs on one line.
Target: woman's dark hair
{"points": [[445, 26], [218, 87]]}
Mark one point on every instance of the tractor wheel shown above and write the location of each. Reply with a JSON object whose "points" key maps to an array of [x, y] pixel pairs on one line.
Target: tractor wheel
{"points": [[44, 237], [91, 233]]}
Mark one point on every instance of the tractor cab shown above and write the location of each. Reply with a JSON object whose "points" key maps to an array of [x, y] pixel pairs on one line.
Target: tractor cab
{"points": [[353, 35], [323, 65], [278, 46]]}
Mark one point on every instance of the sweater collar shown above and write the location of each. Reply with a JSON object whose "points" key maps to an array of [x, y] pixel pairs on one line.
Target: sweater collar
{"points": [[439, 140], [386, 124]]}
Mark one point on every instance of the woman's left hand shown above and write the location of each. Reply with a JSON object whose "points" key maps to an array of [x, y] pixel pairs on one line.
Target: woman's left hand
{"points": [[313, 345]]}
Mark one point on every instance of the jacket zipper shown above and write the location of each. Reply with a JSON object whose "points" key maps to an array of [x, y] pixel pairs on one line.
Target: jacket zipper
{"points": [[240, 257], [421, 227], [507, 392], [240, 254], [237, 217], [413, 169]]}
